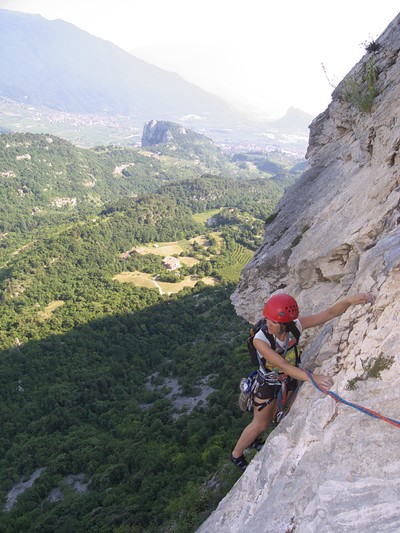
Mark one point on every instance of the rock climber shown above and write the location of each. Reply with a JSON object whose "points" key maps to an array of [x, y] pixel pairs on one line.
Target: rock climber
{"points": [[282, 319]]}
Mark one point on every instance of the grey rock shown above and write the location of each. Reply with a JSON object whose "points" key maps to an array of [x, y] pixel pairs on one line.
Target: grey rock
{"points": [[329, 468]]}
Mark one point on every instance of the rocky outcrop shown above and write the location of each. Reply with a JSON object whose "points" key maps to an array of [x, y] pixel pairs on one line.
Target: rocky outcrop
{"points": [[328, 467], [170, 138], [161, 132]]}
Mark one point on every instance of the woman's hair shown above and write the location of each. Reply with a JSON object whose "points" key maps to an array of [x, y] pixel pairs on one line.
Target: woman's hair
{"points": [[289, 326]]}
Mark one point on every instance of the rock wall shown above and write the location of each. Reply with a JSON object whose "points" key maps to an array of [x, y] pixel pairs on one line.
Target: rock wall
{"points": [[329, 468], [160, 132]]}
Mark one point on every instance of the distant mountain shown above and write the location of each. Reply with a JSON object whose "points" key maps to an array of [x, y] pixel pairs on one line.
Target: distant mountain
{"points": [[55, 64], [295, 120], [58, 79], [175, 140]]}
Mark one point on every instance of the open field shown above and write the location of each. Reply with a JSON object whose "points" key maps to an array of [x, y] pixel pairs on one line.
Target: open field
{"points": [[147, 281], [202, 218], [190, 281], [137, 278], [229, 269], [177, 247], [189, 261], [201, 239], [46, 313], [163, 249]]}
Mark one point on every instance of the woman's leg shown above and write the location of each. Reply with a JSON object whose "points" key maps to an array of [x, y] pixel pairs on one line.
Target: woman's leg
{"points": [[260, 422]]}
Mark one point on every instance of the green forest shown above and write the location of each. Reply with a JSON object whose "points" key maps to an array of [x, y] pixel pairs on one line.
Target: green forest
{"points": [[118, 402]]}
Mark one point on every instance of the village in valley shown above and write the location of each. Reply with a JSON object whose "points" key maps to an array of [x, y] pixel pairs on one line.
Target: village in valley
{"points": [[173, 259]]}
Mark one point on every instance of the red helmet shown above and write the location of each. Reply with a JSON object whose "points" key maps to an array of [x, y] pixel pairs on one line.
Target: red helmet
{"points": [[281, 308]]}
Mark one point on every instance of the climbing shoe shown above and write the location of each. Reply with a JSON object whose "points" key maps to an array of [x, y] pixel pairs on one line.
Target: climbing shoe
{"points": [[240, 462], [257, 444]]}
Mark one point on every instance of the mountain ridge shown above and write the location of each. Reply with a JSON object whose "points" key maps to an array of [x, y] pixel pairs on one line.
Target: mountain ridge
{"points": [[110, 79], [61, 80]]}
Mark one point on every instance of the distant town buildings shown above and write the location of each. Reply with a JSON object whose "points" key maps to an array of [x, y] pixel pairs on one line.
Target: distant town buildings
{"points": [[171, 263]]}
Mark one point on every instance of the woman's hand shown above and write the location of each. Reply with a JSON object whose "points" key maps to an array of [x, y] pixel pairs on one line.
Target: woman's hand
{"points": [[325, 382], [361, 298]]}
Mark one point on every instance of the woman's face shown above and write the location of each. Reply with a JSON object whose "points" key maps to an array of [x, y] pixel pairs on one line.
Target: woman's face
{"points": [[273, 327]]}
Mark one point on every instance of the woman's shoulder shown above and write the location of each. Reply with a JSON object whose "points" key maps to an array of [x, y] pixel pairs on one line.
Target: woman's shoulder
{"points": [[262, 337]]}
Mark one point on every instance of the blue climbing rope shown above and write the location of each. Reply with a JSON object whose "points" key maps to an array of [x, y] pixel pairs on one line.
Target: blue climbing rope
{"points": [[368, 412]]}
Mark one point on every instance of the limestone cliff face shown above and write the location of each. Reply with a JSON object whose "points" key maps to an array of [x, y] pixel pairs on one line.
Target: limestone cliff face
{"points": [[329, 468], [160, 132]]}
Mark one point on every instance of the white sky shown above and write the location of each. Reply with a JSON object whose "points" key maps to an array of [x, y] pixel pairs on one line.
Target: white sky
{"points": [[260, 54]]}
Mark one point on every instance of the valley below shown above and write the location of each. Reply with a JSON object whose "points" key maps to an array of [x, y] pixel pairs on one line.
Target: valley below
{"points": [[120, 351]]}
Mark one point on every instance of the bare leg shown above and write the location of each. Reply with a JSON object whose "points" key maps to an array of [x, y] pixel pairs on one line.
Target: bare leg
{"points": [[260, 422]]}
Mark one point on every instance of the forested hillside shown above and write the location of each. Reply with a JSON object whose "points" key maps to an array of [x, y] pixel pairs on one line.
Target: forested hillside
{"points": [[119, 399], [45, 180]]}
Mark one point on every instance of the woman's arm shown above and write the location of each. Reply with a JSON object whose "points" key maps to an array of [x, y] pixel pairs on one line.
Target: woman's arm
{"points": [[273, 359], [335, 310]]}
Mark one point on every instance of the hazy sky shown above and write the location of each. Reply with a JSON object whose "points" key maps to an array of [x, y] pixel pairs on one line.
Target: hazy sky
{"points": [[261, 54]]}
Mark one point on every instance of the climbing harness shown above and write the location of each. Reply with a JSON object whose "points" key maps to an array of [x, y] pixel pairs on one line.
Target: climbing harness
{"points": [[368, 412]]}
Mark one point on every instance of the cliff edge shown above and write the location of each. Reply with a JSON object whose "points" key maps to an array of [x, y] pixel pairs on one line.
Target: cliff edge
{"points": [[328, 467]]}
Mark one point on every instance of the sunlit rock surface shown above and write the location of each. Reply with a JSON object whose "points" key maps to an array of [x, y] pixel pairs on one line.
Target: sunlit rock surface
{"points": [[329, 468]]}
